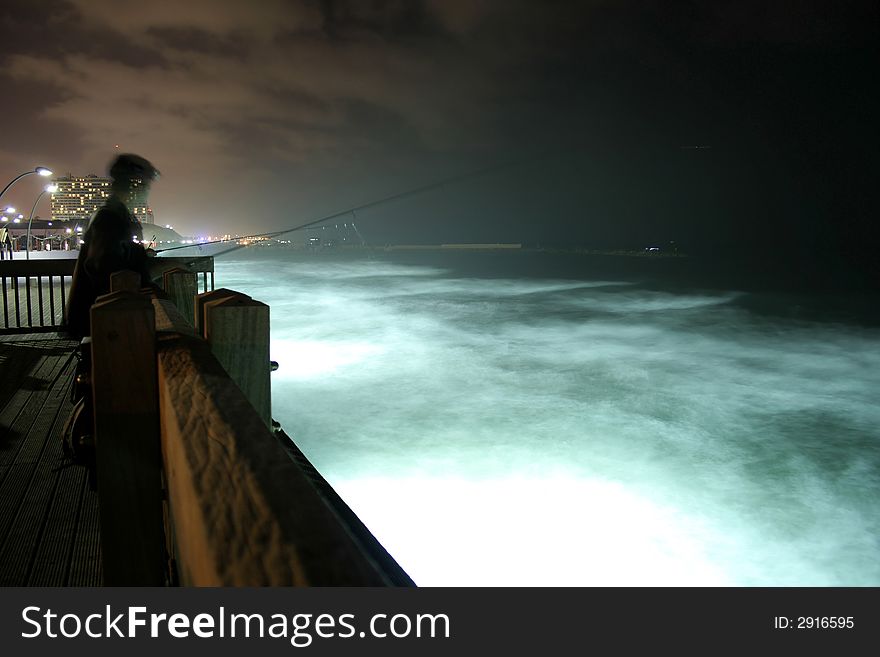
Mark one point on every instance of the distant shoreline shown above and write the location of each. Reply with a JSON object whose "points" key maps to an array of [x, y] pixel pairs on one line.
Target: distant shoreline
{"points": [[527, 249], [494, 246]]}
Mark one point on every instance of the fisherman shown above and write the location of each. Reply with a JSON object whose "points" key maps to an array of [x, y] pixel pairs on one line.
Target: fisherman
{"points": [[112, 241]]}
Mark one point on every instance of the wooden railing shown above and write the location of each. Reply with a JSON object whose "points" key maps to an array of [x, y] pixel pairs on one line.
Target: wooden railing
{"points": [[190, 471], [33, 293]]}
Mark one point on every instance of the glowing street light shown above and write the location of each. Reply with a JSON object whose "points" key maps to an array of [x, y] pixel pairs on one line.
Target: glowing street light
{"points": [[51, 189], [41, 171]]}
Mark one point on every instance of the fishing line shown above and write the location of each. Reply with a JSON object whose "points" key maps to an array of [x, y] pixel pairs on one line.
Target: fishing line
{"points": [[353, 210], [335, 215], [356, 231]]}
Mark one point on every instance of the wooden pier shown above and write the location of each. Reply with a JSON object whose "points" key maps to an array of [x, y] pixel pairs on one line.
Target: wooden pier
{"points": [[196, 485], [49, 534]]}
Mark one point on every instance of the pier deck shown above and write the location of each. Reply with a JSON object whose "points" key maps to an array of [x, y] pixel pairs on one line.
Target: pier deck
{"points": [[49, 531]]}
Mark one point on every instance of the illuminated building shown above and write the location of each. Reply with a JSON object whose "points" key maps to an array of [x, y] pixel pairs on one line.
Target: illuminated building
{"points": [[78, 197], [138, 205]]}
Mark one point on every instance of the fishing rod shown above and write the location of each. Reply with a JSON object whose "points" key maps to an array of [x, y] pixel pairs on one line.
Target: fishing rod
{"points": [[352, 211]]}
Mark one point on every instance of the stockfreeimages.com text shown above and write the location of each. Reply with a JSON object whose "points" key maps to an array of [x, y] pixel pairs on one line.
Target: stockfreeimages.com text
{"points": [[299, 629]]}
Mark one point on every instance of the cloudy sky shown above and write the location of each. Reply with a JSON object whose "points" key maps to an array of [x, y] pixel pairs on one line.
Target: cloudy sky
{"points": [[266, 114]]}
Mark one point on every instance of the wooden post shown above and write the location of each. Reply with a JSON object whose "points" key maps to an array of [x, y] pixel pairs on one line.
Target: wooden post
{"points": [[181, 286], [205, 297], [128, 453], [125, 280], [237, 328]]}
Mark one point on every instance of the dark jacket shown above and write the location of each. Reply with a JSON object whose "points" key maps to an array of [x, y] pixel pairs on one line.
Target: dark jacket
{"points": [[107, 247]]}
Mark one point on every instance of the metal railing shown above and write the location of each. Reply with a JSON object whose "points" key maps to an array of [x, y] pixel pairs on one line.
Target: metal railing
{"points": [[34, 293]]}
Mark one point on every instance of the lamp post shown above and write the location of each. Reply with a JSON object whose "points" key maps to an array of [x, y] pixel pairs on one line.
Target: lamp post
{"points": [[42, 171], [51, 189]]}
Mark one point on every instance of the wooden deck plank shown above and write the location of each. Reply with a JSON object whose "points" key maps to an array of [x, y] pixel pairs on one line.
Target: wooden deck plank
{"points": [[15, 365], [85, 563], [46, 432], [51, 402], [26, 365], [21, 358], [12, 494], [51, 561], [49, 532], [24, 534], [15, 446]]}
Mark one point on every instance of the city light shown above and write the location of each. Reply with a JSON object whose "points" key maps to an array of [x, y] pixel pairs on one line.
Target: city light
{"points": [[51, 188], [43, 171], [9, 210]]}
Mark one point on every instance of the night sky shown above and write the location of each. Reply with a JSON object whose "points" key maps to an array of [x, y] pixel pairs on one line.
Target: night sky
{"points": [[268, 114]]}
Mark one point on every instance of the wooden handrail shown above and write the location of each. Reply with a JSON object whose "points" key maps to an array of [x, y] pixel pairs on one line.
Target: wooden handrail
{"points": [[65, 266], [33, 293], [243, 513], [41, 267]]}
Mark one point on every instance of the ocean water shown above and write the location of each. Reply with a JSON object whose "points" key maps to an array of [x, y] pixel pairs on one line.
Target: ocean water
{"points": [[498, 419]]}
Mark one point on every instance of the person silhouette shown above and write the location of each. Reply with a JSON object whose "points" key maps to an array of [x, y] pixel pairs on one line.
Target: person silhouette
{"points": [[113, 241], [5, 243]]}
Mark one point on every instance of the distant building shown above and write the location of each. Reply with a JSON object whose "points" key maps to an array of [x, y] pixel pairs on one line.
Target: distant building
{"points": [[139, 208], [78, 197]]}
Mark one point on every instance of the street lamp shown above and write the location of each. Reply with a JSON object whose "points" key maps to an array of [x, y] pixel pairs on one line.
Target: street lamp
{"points": [[51, 189], [42, 171]]}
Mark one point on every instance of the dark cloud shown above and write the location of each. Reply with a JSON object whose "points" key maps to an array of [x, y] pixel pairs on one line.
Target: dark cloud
{"points": [[56, 28], [192, 39], [388, 20]]}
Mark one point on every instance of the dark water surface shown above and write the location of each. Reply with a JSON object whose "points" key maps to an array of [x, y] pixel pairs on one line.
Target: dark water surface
{"points": [[561, 419]]}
